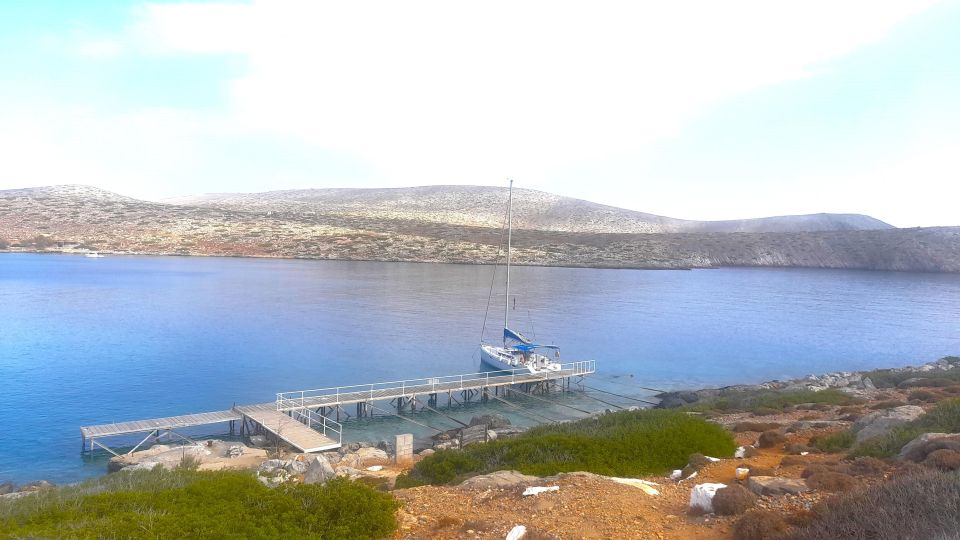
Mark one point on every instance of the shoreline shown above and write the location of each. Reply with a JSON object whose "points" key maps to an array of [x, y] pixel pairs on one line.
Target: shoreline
{"points": [[481, 263], [857, 384]]}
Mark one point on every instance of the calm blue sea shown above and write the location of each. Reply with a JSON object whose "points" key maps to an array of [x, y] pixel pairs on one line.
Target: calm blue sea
{"points": [[85, 341]]}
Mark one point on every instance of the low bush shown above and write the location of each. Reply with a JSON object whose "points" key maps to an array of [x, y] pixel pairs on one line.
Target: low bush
{"points": [[769, 439], [880, 405], [733, 500], [759, 427], [865, 466], [698, 461], [925, 396], [888, 444], [886, 378], [919, 505], [834, 442], [761, 471], [759, 525], [943, 459], [191, 504], [790, 461], [815, 468], [765, 401], [797, 449], [625, 443], [831, 481], [944, 417]]}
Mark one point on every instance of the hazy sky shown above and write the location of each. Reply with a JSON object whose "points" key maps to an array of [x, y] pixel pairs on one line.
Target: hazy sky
{"points": [[701, 110]]}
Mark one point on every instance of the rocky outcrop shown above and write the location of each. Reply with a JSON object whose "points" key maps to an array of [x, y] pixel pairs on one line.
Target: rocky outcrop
{"points": [[492, 421], [318, 471], [918, 449], [499, 480], [880, 422], [774, 486]]}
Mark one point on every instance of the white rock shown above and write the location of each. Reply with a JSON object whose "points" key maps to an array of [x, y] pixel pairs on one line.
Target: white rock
{"points": [[677, 474], [701, 496], [740, 453], [375, 468], [538, 490], [642, 485], [517, 533]]}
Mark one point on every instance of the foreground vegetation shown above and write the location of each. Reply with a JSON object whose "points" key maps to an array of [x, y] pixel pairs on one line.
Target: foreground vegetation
{"points": [[762, 402], [944, 417], [626, 443], [920, 505], [191, 504]]}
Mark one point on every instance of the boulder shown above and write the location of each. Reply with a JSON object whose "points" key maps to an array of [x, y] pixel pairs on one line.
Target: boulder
{"points": [[349, 472], [499, 480], [235, 451], [701, 496], [7, 487], [37, 486], [492, 421], [918, 449], [772, 485], [370, 454], [350, 460], [272, 464], [295, 467], [880, 422], [427, 452], [319, 471]]}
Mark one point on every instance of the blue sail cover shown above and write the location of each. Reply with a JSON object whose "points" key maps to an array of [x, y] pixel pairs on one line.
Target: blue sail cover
{"points": [[516, 336], [524, 344]]}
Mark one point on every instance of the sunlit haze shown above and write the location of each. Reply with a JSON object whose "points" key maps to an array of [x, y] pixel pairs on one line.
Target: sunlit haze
{"points": [[698, 110]]}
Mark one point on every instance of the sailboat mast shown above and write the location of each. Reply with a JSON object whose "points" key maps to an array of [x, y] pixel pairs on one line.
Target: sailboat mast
{"points": [[506, 303]]}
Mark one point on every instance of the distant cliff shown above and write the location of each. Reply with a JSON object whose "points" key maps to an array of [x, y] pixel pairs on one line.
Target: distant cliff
{"points": [[456, 224]]}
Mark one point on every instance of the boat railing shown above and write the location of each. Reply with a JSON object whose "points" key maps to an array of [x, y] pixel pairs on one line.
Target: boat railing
{"points": [[331, 396]]}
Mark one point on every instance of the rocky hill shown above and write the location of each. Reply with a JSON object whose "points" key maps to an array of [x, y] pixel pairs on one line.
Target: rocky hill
{"points": [[482, 206], [399, 225]]}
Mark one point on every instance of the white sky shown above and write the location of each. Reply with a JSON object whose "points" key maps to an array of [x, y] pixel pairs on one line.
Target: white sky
{"points": [[597, 100]]}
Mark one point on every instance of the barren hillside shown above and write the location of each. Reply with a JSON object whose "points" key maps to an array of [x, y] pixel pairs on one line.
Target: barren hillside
{"points": [[76, 218], [482, 206]]}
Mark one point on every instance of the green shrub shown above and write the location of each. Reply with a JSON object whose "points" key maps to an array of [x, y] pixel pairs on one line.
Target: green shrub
{"points": [[886, 378], [625, 443], [919, 505], [835, 442], [944, 417], [191, 504], [888, 444], [764, 402]]}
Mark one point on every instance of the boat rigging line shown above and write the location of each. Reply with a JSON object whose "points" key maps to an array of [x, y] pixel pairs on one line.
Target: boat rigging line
{"points": [[620, 395], [493, 278], [605, 402], [440, 413], [372, 406], [512, 389], [525, 412], [610, 379]]}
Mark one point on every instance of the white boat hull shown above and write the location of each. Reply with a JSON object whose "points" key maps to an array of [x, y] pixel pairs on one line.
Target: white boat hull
{"points": [[507, 359]]}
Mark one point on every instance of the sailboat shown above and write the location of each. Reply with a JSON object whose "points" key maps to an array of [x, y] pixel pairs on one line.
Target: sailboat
{"points": [[516, 352]]}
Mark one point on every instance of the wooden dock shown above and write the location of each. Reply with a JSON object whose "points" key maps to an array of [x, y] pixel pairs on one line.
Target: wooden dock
{"points": [[300, 418], [408, 391], [292, 429]]}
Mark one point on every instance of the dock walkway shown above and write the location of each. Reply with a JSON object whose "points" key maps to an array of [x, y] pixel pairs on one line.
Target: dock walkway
{"points": [[299, 418]]}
